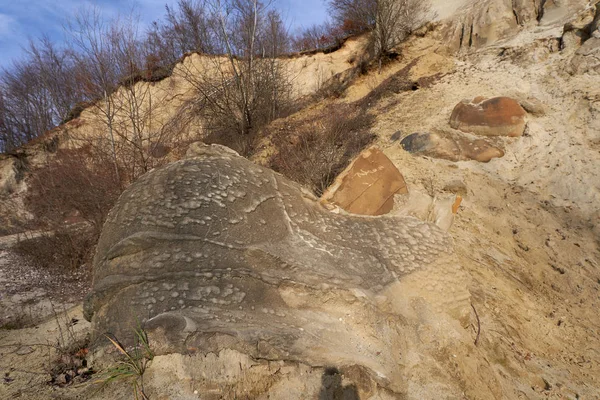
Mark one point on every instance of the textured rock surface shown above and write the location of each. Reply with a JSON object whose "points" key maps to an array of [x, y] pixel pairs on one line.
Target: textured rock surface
{"points": [[367, 186], [451, 147], [498, 116], [475, 24], [217, 253], [8, 175], [587, 58]]}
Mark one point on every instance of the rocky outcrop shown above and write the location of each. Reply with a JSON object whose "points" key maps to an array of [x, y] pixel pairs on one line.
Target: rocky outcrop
{"points": [[587, 58], [479, 23], [215, 254], [498, 116], [9, 175], [451, 147], [367, 186], [582, 27]]}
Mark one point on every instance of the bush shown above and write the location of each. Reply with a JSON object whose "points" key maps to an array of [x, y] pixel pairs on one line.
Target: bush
{"points": [[322, 146], [70, 198], [243, 144], [66, 249]]}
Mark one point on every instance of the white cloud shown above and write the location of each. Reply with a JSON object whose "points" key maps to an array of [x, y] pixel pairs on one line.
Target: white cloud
{"points": [[7, 25]]}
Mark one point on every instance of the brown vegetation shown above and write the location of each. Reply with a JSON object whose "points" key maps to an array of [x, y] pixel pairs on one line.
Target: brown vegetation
{"points": [[390, 21], [70, 198], [314, 151]]}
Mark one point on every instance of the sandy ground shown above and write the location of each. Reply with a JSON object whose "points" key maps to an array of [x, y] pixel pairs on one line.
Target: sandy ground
{"points": [[29, 295], [526, 228]]}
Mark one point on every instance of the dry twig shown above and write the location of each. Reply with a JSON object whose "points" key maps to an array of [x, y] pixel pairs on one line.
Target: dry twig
{"points": [[478, 325]]}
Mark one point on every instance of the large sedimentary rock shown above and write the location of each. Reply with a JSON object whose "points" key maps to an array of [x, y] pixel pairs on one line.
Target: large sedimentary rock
{"points": [[498, 116], [215, 253], [367, 186]]}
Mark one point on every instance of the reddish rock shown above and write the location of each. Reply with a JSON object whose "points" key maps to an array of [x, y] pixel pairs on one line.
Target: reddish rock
{"points": [[367, 186], [499, 116]]}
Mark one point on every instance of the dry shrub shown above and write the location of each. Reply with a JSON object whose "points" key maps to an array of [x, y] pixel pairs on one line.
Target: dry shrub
{"points": [[322, 146], [70, 198], [244, 144], [61, 250]]}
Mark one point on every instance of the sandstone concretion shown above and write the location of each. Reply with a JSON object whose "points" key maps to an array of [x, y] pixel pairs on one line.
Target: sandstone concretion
{"points": [[215, 253], [367, 186], [450, 147], [498, 116]]}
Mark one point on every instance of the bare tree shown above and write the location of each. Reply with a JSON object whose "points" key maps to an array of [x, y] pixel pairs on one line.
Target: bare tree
{"points": [[134, 99], [97, 67], [38, 92], [54, 67], [26, 105], [354, 16], [113, 57], [244, 88], [396, 19], [316, 37], [389, 20], [191, 27]]}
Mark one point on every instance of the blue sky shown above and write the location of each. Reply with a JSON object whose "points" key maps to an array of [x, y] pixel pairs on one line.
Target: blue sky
{"points": [[24, 19]]}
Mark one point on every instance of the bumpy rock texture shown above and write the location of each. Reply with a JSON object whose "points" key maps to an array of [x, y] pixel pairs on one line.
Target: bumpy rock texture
{"points": [[498, 116], [215, 253], [367, 186]]}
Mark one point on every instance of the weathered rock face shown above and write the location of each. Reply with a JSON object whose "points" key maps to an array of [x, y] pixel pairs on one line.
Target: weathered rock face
{"points": [[498, 116], [478, 23], [216, 253], [367, 186], [8, 175], [587, 58], [450, 147]]}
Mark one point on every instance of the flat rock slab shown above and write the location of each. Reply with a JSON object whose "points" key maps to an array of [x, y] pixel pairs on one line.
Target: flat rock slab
{"points": [[217, 253], [367, 186], [453, 147], [498, 116]]}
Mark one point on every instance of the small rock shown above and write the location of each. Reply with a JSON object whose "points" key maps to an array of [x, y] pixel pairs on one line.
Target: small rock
{"points": [[61, 379], [533, 106], [23, 350], [456, 187]]}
